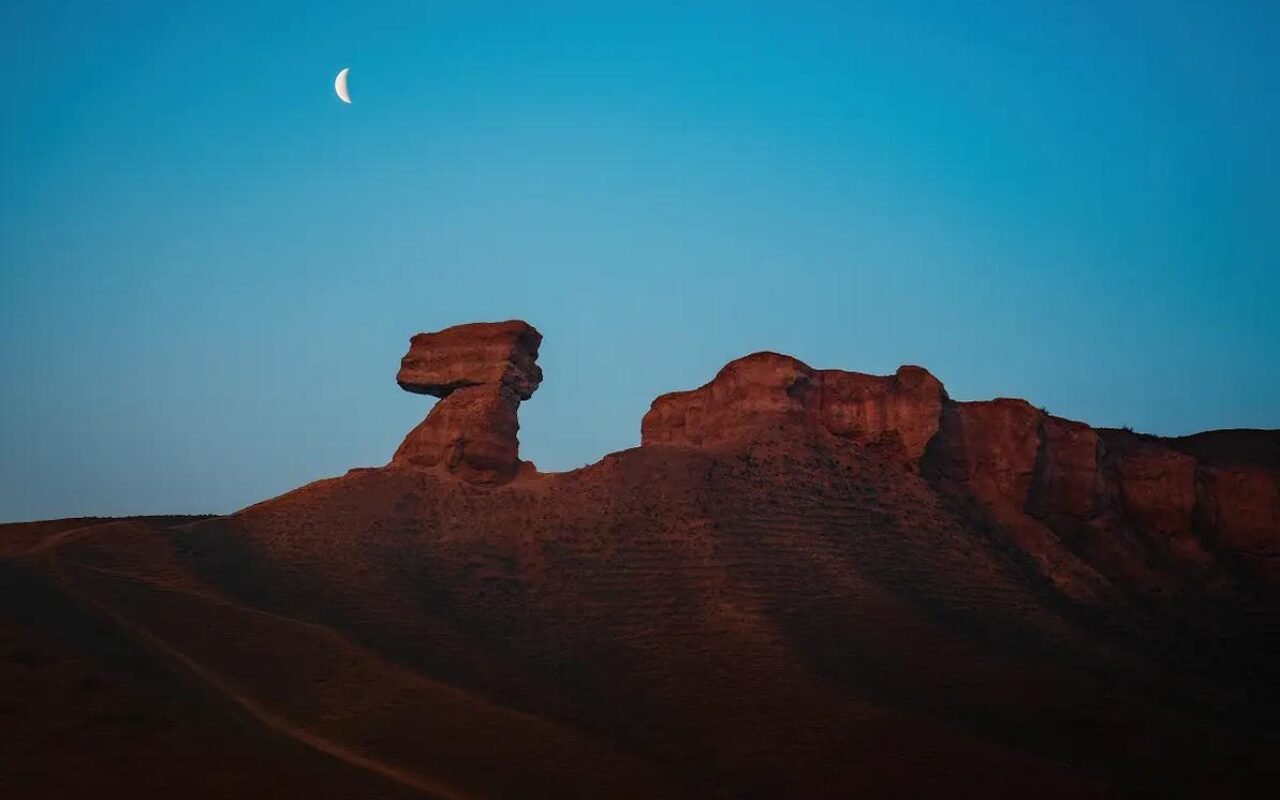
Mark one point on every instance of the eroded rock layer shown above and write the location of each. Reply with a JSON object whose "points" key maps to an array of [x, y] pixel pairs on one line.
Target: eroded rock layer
{"points": [[1092, 508], [481, 372], [897, 414]]}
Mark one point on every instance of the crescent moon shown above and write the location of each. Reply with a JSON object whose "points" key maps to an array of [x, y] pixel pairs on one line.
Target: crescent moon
{"points": [[340, 85]]}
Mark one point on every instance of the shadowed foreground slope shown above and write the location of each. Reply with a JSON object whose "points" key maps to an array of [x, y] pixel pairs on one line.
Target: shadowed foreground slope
{"points": [[804, 584]]}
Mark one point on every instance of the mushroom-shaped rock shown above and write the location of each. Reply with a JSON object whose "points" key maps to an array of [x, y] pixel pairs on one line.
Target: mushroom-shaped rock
{"points": [[476, 354], [481, 372]]}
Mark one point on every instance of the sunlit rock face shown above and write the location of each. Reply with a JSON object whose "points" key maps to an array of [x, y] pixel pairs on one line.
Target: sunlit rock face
{"points": [[481, 372], [475, 354], [896, 414], [1090, 507]]}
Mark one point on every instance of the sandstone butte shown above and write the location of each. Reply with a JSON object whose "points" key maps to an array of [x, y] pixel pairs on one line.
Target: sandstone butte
{"points": [[804, 583]]}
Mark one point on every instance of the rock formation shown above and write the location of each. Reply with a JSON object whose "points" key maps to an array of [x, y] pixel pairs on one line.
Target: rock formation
{"points": [[1089, 507], [481, 372], [895, 414]]}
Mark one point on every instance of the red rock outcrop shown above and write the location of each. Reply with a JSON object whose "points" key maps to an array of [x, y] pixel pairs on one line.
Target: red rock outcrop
{"points": [[1237, 504], [481, 372], [989, 456], [1157, 484], [896, 414], [1088, 507], [475, 354], [1239, 509], [1069, 481], [989, 448], [753, 392], [1094, 510]]}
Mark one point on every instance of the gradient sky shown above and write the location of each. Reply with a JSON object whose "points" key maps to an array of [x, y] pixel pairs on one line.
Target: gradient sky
{"points": [[210, 267]]}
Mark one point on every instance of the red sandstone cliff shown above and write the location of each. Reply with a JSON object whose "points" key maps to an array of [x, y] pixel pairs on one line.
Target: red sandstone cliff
{"points": [[1100, 512]]}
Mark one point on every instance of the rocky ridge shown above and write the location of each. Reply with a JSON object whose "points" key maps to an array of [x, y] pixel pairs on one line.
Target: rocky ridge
{"points": [[1092, 507]]}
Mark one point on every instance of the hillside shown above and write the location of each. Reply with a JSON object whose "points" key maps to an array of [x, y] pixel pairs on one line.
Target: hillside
{"points": [[804, 583]]}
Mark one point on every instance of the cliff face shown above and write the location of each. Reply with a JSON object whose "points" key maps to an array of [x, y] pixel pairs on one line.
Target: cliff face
{"points": [[896, 415], [1092, 508]]}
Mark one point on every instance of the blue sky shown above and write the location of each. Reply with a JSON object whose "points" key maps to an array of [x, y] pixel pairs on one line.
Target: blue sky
{"points": [[210, 267]]}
